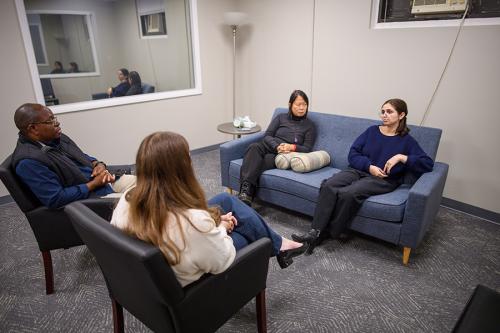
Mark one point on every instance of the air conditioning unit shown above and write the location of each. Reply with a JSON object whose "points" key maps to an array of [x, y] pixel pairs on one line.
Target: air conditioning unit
{"points": [[438, 6]]}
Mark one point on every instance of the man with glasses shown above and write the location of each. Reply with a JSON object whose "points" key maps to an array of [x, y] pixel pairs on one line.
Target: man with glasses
{"points": [[55, 169]]}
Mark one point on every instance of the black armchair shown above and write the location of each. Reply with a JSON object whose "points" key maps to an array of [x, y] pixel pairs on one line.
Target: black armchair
{"points": [[139, 278], [52, 227]]}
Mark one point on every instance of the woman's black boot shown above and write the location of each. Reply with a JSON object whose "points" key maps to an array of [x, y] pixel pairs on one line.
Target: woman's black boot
{"points": [[313, 238], [285, 258], [246, 193], [308, 237]]}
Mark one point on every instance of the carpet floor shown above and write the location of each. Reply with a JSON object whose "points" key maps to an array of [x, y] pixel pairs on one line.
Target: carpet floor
{"points": [[355, 285]]}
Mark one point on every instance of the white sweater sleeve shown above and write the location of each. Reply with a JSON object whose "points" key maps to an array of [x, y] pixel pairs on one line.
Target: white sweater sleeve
{"points": [[211, 251]]}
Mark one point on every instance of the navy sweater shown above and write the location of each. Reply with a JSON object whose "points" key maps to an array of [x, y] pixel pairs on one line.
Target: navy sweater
{"points": [[374, 148], [121, 89]]}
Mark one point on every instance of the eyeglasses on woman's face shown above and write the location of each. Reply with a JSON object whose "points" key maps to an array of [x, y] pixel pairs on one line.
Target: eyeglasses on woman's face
{"points": [[387, 111]]}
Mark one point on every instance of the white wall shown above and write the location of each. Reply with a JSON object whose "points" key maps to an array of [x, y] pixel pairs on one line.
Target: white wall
{"points": [[356, 68], [113, 134]]}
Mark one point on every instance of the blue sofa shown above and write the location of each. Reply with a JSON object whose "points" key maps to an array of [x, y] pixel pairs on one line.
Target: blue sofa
{"points": [[401, 217], [146, 89]]}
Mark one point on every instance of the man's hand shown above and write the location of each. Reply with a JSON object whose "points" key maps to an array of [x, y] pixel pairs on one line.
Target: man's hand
{"points": [[377, 172], [101, 179], [110, 91], [98, 168], [393, 161]]}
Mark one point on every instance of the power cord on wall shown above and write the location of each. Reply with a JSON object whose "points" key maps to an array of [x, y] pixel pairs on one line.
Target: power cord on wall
{"points": [[446, 65]]}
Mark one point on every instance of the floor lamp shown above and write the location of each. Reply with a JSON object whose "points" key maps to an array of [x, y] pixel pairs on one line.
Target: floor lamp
{"points": [[234, 20]]}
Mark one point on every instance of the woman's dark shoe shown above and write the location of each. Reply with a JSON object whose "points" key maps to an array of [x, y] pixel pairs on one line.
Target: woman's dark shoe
{"points": [[285, 258], [246, 193]]}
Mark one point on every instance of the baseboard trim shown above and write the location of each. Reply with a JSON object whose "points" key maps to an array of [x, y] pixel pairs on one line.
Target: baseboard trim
{"points": [[471, 210], [205, 149]]}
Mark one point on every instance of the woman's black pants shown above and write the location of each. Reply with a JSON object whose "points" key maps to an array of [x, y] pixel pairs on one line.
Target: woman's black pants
{"points": [[341, 196], [258, 158]]}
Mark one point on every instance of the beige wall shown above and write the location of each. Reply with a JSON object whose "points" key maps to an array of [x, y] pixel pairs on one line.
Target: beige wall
{"points": [[113, 134], [350, 70], [356, 68]]}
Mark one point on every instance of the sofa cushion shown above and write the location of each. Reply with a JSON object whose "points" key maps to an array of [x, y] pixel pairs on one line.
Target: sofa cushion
{"points": [[304, 186], [388, 207]]}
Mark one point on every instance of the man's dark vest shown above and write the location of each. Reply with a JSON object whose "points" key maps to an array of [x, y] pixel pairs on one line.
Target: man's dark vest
{"points": [[59, 158]]}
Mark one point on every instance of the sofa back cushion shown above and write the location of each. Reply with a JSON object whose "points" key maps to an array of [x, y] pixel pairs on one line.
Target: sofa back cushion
{"points": [[335, 134]]}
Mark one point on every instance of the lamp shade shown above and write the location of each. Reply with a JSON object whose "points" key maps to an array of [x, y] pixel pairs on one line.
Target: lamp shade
{"points": [[234, 18]]}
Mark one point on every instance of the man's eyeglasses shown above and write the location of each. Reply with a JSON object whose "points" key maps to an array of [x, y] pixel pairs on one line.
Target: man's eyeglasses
{"points": [[51, 121]]}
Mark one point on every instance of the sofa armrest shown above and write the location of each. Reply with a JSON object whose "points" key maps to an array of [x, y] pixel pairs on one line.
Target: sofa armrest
{"points": [[99, 96], [422, 205], [233, 150]]}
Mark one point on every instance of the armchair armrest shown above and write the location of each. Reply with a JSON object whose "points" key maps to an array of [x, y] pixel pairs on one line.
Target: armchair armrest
{"points": [[233, 150], [101, 206], [422, 205], [225, 293]]}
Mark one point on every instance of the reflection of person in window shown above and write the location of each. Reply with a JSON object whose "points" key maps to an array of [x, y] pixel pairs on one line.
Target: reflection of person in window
{"points": [[58, 68], [123, 87], [73, 68], [135, 84]]}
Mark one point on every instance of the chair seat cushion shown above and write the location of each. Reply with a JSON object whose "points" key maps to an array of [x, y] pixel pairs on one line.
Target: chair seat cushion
{"points": [[385, 207]]}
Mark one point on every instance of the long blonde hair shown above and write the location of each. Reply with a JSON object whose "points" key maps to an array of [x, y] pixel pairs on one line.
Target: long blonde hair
{"points": [[166, 184]]}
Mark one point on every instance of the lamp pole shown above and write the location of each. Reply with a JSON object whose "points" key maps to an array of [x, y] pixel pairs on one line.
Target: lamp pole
{"points": [[235, 27]]}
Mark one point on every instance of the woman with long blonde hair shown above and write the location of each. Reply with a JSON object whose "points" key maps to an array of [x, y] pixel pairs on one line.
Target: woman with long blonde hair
{"points": [[168, 209]]}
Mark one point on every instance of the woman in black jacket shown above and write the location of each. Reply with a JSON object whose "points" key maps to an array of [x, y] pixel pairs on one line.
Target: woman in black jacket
{"points": [[286, 133], [135, 84]]}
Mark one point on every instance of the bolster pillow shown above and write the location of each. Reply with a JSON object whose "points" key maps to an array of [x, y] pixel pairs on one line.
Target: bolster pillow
{"points": [[303, 162]]}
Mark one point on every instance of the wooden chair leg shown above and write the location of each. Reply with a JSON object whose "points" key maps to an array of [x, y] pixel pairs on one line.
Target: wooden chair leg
{"points": [[118, 326], [49, 273], [261, 311], [406, 255]]}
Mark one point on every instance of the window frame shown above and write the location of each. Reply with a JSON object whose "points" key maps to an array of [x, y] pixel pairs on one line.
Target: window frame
{"points": [[376, 5], [42, 43]]}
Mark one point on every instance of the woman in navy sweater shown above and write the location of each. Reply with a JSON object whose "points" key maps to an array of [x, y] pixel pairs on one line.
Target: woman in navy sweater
{"points": [[378, 159]]}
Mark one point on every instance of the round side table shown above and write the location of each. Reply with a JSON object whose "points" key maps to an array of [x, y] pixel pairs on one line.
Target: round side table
{"points": [[230, 129]]}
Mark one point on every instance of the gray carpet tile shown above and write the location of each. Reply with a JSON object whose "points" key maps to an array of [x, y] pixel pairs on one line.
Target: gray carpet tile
{"points": [[354, 285]]}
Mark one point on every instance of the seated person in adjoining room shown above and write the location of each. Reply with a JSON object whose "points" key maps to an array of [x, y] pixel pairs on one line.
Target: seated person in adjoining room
{"points": [[378, 160], [167, 208], [286, 133], [73, 67], [58, 68], [122, 88], [135, 84], [55, 169]]}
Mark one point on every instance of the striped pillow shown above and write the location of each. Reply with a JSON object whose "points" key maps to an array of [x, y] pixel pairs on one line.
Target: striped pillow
{"points": [[310, 161]]}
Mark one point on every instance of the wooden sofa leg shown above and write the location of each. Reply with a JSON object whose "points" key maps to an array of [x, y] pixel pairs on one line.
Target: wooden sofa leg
{"points": [[229, 190], [406, 255], [261, 311], [118, 326], [49, 273]]}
